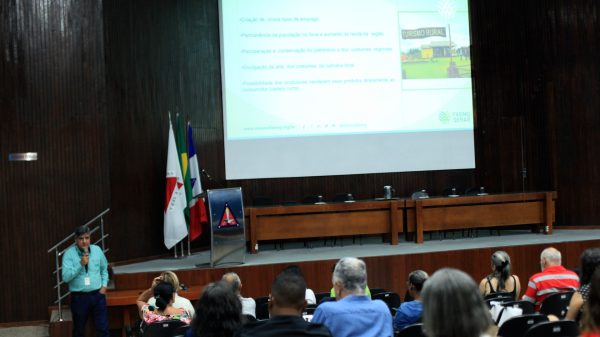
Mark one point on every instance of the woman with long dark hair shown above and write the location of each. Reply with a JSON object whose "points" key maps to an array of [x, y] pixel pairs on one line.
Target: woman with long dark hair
{"points": [[589, 260], [218, 312], [500, 279], [591, 314], [163, 309]]}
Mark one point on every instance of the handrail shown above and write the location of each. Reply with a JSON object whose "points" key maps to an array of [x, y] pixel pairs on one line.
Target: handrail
{"points": [[86, 224], [59, 252]]}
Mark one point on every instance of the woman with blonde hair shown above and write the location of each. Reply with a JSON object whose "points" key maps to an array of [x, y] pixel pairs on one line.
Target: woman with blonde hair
{"points": [[500, 280], [179, 302]]}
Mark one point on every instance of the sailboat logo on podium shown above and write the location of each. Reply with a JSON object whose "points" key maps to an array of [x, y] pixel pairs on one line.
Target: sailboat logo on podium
{"points": [[228, 219]]}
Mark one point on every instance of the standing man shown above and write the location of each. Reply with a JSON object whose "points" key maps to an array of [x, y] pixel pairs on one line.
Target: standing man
{"points": [[84, 268], [553, 278], [354, 314]]}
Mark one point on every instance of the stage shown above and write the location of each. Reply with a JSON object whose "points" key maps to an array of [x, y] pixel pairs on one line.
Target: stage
{"points": [[295, 252]]}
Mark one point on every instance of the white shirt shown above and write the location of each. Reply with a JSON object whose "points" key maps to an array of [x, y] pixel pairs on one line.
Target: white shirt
{"points": [[179, 303], [310, 296], [248, 306]]}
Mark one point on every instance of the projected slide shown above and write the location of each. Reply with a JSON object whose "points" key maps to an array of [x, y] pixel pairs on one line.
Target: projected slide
{"points": [[309, 76]]}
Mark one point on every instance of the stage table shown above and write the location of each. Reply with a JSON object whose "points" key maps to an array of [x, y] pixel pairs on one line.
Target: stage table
{"points": [[480, 211], [388, 217], [334, 219]]}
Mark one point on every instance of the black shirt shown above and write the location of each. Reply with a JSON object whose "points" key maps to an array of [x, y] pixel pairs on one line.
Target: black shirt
{"points": [[289, 326]]}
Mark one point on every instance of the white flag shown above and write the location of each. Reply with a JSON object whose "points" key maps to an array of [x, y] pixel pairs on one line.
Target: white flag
{"points": [[175, 226]]}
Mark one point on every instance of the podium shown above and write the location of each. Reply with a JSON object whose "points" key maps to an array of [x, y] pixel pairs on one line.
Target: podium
{"points": [[227, 227]]}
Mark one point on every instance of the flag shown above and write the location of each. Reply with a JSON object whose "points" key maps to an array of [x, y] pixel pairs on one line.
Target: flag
{"points": [[175, 203], [197, 208], [183, 161]]}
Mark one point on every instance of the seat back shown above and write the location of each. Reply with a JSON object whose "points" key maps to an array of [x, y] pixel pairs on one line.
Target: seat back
{"points": [[377, 291], [310, 309], [390, 298], [557, 304], [554, 329], [262, 307], [526, 306], [498, 295], [518, 326], [326, 299], [320, 296], [168, 328], [413, 330], [499, 299]]}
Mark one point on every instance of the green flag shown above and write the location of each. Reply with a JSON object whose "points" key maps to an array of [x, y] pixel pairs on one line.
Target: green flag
{"points": [[183, 160]]}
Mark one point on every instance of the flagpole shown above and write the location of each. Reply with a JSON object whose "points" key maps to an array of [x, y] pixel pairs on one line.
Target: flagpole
{"points": [[189, 253]]}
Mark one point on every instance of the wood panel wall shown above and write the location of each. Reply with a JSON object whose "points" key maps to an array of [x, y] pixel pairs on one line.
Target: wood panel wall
{"points": [[388, 272], [52, 98], [88, 85]]}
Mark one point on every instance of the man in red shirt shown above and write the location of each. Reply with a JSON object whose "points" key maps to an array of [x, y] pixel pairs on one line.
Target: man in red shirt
{"points": [[553, 278]]}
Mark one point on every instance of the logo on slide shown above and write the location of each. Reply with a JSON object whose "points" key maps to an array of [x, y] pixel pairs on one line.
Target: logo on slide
{"points": [[445, 117], [228, 219]]}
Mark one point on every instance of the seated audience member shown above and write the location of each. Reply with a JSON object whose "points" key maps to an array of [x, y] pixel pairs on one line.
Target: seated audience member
{"points": [[553, 278], [354, 314], [453, 307], [332, 291], [589, 260], [310, 295], [410, 312], [500, 280], [179, 302], [218, 312], [163, 293], [248, 303], [590, 326], [286, 304]]}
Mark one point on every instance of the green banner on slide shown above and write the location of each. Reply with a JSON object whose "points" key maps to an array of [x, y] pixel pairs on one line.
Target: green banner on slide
{"points": [[422, 33]]}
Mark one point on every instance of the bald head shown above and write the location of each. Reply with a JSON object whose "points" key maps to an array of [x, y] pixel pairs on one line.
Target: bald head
{"points": [[550, 257], [234, 280]]}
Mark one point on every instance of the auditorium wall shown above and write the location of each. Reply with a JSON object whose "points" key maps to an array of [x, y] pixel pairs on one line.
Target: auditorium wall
{"points": [[88, 86]]}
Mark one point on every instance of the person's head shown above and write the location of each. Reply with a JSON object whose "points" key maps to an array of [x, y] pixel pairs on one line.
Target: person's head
{"points": [[349, 277], [590, 259], [170, 277], [287, 295], [501, 267], [550, 257], [453, 306], [163, 293], [591, 312], [82, 237], [416, 280], [294, 269], [234, 281], [218, 311]]}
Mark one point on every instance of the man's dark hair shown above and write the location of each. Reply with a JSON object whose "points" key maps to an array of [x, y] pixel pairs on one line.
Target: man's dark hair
{"points": [[289, 290], [293, 269], [81, 230], [417, 278]]}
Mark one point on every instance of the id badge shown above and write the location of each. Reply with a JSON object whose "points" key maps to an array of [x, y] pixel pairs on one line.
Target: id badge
{"points": [[87, 281]]}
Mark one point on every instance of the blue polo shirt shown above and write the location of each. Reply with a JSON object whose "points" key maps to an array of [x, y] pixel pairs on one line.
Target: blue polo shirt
{"points": [[74, 273], [408, 313], [355, 316]]}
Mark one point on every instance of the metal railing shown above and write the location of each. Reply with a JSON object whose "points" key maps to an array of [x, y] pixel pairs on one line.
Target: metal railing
{"points": [[65, 244]]}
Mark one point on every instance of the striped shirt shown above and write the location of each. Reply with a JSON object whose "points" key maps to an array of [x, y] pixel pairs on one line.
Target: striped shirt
{"points": [[552, 280]]}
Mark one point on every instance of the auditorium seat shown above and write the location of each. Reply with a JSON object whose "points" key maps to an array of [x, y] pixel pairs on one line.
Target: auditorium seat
{"points": [[554, 329], [557, 304], [262, 307], [168, 328], [518, 326], [413, 330], [390, 298]]}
